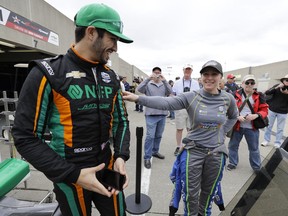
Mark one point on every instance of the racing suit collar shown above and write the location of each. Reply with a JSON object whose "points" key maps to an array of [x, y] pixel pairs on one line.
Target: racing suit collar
{"points": [[72, 52]]}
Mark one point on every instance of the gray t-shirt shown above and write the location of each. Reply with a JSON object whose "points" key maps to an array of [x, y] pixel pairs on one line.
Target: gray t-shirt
{"points": [[211, 116]]}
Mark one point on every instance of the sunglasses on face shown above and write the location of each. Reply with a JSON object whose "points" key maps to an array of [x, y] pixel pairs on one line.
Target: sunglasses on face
{"points": [[250, 82], [286, 80]]}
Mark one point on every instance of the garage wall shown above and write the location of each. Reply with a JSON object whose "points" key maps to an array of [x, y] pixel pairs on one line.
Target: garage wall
{"points": [[45, 15], [266, 75], [41, 13]]}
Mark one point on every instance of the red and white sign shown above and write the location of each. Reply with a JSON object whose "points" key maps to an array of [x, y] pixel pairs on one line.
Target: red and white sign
{"points": [[22, 24]]}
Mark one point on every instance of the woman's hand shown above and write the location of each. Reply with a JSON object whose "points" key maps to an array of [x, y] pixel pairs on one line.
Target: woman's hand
{"points": [[130, 96]]}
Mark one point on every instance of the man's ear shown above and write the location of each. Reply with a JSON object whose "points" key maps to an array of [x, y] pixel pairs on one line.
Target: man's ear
{"points": [[91, 32]]}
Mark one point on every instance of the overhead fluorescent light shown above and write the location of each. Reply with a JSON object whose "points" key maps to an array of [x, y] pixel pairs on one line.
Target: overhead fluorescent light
{"points": [[21, 65], [7, 44]]}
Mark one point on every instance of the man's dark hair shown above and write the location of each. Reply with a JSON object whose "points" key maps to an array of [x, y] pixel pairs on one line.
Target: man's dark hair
{"points": [[80, 32], [156, 68]]}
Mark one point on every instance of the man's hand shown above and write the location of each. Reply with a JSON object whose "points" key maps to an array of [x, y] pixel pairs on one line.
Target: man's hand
{"points": [[241, 118], [119, 166], [162, 78], [157, 77], [248, 117], [284, 91], [153, 76], [87, 179], [251, 117]]}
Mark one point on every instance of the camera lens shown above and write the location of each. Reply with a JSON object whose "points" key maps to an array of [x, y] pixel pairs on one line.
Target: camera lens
{"points": [[186, 89]]}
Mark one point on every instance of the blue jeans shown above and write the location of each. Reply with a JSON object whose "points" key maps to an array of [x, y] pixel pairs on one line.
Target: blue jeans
{"points": [[252, 139], [155, 126], [281, 118]]}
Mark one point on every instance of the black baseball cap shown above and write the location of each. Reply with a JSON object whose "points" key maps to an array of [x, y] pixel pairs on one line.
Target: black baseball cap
{"points": [[156, 68], [213, 64]]}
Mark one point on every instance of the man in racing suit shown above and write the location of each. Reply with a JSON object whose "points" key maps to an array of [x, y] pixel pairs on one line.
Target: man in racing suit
{"points": [[79, 99]]}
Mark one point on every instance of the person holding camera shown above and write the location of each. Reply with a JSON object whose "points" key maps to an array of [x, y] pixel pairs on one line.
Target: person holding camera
{"points": [[184, 84], [245, 126], [278, 109], [79, 99], [155, 85], [212, 114]]}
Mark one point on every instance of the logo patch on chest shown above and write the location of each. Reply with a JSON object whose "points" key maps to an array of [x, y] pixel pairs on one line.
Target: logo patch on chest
{"points": [[75, 74], [105, 77]]}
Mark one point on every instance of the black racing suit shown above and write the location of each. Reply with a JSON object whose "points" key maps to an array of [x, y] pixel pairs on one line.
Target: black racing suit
{"points": [[80, 102]]}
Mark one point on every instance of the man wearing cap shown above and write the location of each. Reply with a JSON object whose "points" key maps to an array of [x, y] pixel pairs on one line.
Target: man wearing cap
{"points": [[184, 84], [155, 85], [278, 109], [244, 125], [79, 99], [212, 113], [230, 84]]}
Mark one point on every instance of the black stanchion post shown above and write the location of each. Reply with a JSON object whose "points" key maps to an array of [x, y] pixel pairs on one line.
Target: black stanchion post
{"points": [[139, 136], [138, 203]]}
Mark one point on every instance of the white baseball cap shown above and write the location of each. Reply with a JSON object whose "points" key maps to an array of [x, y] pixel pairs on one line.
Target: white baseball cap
{"points": [[248, 77], [188, 66]]}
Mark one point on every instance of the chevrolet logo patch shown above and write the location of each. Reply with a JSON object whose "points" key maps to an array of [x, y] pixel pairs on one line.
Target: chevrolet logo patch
{"points": [[76, 74]]}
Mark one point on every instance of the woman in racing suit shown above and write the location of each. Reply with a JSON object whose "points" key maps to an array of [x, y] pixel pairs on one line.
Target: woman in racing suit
{"points": [[212, 114]]}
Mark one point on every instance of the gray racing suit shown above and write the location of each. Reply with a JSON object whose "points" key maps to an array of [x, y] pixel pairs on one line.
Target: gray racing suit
{"points": [[211, 117]]}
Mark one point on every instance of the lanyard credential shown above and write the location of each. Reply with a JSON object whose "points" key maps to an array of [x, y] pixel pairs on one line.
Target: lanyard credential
{"points": [[189, 83]]}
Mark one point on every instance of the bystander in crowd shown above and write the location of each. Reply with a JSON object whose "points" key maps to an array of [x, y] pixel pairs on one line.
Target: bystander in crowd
{"points": [[231, 84], [244, 126], [171, 112], [126, 84], [155, 85], [184, 84], [278, 109], [136, 82], [223, 87]]}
